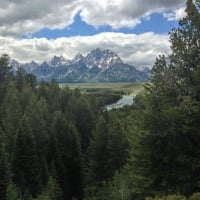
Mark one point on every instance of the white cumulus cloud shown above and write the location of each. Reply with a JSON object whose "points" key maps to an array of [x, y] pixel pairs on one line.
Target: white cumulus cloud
{"points": [[175, 15], [138, 50], [123, 13], [25, 17], [21, 17]]}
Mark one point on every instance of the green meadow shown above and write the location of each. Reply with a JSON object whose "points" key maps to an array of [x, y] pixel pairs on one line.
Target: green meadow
{"points": [[125, 88]]}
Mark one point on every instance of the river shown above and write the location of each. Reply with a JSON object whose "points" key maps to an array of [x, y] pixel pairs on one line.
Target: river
{"points": [[125, 100]]}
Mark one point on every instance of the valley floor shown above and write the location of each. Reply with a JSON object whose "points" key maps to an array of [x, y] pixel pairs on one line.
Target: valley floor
{"points": [[129, 88]]}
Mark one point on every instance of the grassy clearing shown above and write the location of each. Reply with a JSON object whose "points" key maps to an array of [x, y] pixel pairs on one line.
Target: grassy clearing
{"points": [[126, 88]]}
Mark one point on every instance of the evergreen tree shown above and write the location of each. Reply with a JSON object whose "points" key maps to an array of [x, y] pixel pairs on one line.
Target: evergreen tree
{"points": [[165, 154], [4, 173], [13, 192], [37, 116], [54, 156], [54, 96], [186, 49], [44, 171], [54, 189], [118, 187], [70, 151], [83, 117], [12, 112], [4, 68], [20, 78], [4, 79], [31, 81], [26, 172], [117, 146], [98, 152], [107, 151]]}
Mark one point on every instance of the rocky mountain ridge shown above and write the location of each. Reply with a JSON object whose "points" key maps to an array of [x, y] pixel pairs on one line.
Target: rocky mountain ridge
{"points": [[97, 66]]}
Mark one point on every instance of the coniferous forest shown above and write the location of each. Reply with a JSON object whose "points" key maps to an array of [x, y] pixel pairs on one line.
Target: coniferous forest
{"points": [[60, 144]]}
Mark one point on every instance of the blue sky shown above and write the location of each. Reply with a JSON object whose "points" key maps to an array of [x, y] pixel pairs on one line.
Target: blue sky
{"points": [[137, 30], [157, 24]]}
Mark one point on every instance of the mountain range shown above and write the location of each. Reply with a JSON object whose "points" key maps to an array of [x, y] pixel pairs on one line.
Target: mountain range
{"points": [[97, 66]]}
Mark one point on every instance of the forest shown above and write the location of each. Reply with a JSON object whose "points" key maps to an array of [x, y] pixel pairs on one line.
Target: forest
{"points": [[60, 144]]}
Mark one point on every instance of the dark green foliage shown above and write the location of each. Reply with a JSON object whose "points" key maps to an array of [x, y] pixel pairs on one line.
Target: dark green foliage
{"points": [[165, 152], [98, 165], [4, 68], [25, 164], [20, 78], [117, 145], [37, 117], [54, 156], [118, 187], [5, 77], [195, 196], [13, 192], [83, 118], [4, 173], [31, 80], [53, 189], [107, 153], [44, 124], [54, 96], [71, 156], [12, 112], [170, 197]]}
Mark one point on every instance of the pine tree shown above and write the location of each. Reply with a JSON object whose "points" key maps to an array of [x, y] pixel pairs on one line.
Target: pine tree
{"points": [[4, 173], [20, 78], [54, 156], [4, 68], [37, 117], [25, 168], [4, 78], [70, 151], [31, 81], [54, 96], [165, 154], [12, 112], [117, 146], [54, 190], [83, 118], [13, 192], [186, 49], [98, 153]]}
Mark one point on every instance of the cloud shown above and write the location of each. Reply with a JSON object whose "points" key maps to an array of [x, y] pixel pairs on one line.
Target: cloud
{"points": [[176, 14], [26, 17], [123, 13], [138, 50]]}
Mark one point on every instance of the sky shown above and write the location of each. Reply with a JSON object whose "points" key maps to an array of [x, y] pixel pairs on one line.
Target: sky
{"points": [[137, 30]]}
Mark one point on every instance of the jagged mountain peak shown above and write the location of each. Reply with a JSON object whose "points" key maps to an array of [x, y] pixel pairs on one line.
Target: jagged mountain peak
{"points": [[96, 58], [33, 62], [99, 53], [97, 66], [102, 58], [78, 57], [57, 61]]}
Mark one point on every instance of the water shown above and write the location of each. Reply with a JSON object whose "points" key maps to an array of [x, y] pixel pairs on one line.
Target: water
{"points": [[125, 100]]}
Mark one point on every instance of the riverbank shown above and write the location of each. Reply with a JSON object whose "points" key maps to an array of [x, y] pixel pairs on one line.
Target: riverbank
{"points": [[125, 100]]}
